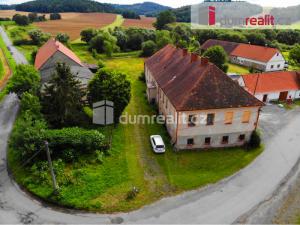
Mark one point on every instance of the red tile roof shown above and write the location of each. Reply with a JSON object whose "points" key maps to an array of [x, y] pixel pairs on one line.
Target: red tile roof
{"points": [[49, 49], [195, 85], [255, 52], [272, 81], [227, 45]]}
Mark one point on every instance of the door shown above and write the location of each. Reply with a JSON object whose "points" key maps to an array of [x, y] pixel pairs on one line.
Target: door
{"points": [[283, 96], [265, 98]]}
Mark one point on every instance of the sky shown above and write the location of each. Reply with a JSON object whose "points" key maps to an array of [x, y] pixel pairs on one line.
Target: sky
{"points": [[178, 3]]}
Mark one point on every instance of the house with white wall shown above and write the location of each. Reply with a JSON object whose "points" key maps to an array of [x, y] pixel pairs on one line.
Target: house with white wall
{"points": [[53, 52], [252, 56], [207, 109], [273, 86]]}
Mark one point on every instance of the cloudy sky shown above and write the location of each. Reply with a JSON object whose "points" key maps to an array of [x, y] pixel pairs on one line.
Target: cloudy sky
{"points": [[178, 3]]}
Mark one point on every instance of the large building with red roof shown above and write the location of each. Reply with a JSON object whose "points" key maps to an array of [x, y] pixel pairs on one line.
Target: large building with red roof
{"points": [[273, 86], [53, 52], [206, 108], [253, 56]]}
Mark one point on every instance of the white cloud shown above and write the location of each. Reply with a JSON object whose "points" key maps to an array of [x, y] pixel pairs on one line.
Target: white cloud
{"points": [[178, 3]]}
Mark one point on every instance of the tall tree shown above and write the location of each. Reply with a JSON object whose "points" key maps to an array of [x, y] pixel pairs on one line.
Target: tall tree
{"points": [[113, 86], [218, 56], [62, 98], [163, 19]]}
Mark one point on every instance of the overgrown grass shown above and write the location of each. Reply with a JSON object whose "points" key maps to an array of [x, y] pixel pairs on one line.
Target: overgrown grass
{"points": [[10, 60], [233, 68]]}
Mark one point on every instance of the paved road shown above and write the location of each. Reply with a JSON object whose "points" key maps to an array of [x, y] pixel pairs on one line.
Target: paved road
{"points": [[224, 202], [19, 57]]}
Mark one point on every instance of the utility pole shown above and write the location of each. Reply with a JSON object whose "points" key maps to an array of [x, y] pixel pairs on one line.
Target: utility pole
{"points": [[55, 188]]}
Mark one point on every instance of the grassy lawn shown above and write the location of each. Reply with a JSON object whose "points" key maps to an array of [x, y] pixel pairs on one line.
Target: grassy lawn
{"points": [[117, 23], [233, 68]]}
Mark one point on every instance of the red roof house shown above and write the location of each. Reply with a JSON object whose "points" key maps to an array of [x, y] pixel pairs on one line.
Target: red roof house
{"points": [[53, 52], [273, 86], [253, 56]]}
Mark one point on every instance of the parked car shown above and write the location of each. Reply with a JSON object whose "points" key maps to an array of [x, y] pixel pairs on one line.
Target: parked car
{"points": [[157, 144]]}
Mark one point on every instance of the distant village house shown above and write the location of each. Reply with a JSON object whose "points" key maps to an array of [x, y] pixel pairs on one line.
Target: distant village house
{"points": [[273, 86], [251, 56]]}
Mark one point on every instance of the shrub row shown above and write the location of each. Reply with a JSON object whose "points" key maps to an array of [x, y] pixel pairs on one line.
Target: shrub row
{"points": [[75, 138]]}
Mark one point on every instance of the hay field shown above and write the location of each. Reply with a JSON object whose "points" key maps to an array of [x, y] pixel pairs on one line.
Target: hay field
{"points": [[144, 22]]}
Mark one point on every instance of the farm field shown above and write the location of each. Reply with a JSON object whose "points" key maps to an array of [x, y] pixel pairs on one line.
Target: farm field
{"points": [[73, 23], [144, 22], [10, 13]]}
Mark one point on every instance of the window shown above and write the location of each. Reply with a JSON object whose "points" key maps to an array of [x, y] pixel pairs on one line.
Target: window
{"points": [[192, 121], [242, 137], [272, 66], [225, 139], [190, 141], [207, 141], [246, 117], [277, 54], [278, 66], [166, 104], [210, 119], [228, 117]]}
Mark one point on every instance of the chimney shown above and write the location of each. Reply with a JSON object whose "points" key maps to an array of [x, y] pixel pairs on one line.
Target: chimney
{"points": [[184, 52], [204, 61], [194, 57]]}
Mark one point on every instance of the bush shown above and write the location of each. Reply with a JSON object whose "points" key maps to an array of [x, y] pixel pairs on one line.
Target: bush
{"points": [[25, 79], [69, 155], [19, 42], [28, 135], [148, 48], [75, 138], [21, 20], [132, 193], [31, 104], [63, 38], [254, 141], [55, 16]]}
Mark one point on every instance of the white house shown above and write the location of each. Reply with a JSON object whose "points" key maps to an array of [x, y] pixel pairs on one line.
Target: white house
{"points": [[273, 86], [259, 57], [202, 106]]}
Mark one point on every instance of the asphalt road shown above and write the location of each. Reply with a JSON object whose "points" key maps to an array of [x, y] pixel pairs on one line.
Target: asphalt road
{"points": [[19, 57], [224, 202]]}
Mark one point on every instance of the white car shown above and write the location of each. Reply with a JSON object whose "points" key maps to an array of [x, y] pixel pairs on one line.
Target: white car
{"points": [[157, 144]]}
